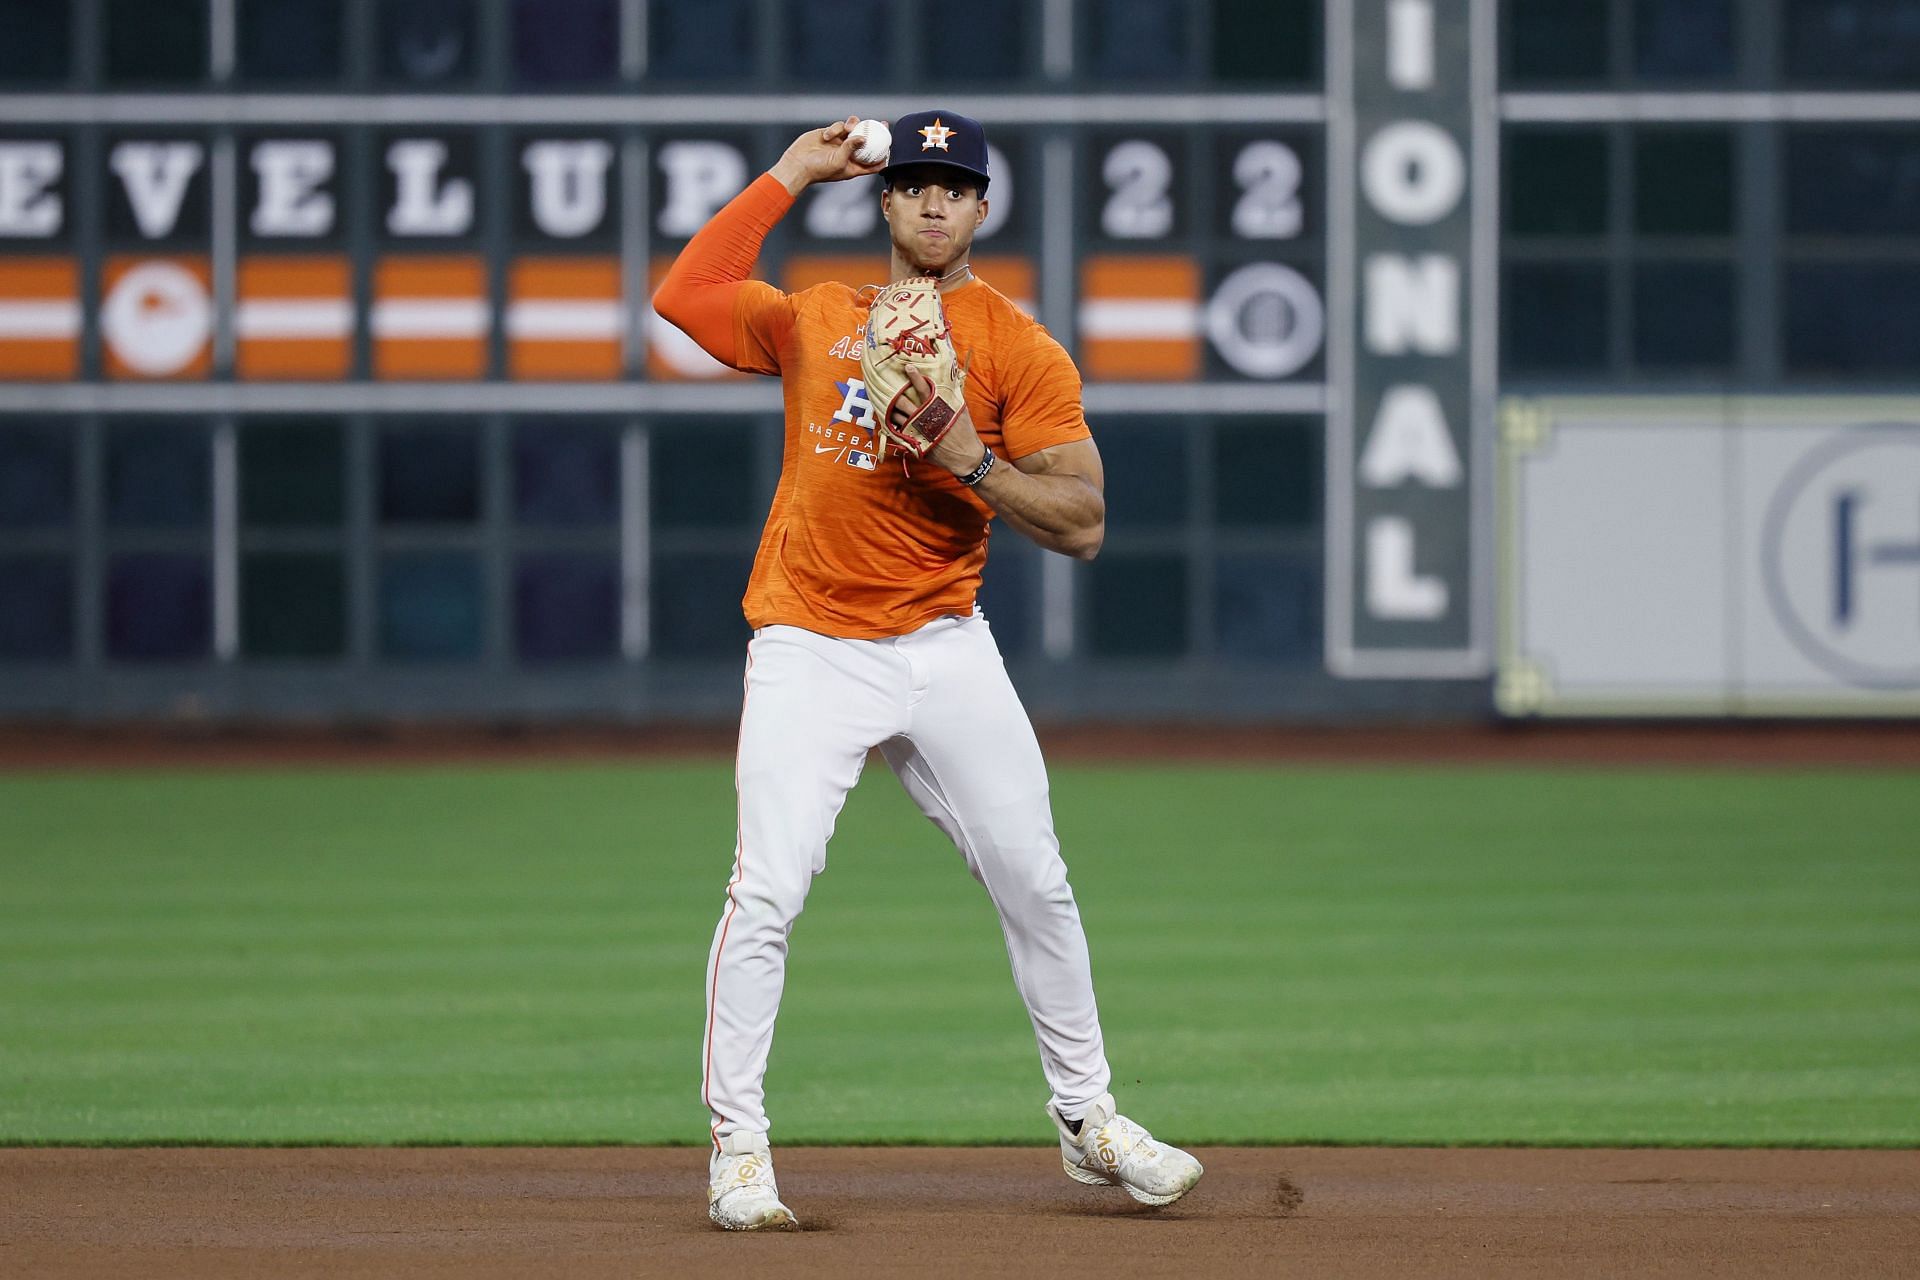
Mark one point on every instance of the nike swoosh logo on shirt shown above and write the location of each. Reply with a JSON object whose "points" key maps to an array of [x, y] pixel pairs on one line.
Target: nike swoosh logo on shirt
{"points": [[828, 448]]}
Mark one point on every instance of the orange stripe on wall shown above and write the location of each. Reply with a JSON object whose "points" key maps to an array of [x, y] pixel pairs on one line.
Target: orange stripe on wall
{"points": [[39, 359], [538, 360], [39, 278], [39, 282], [293, 359], [317, 276], [432, 277], [1110, 360], [1139, 360], [1130, 277], [429, 360], [565, 277]]}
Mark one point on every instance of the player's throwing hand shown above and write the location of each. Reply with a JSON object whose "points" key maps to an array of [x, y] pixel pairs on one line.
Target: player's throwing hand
{"points": [[822, 155]]}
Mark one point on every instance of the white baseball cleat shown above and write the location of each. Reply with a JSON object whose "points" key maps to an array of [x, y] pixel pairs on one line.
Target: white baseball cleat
{"points": [[741, 1195], [1112, 1151]]}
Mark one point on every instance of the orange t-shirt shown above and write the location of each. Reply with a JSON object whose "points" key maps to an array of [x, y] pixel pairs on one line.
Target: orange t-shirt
{"points": [[853, 548]]}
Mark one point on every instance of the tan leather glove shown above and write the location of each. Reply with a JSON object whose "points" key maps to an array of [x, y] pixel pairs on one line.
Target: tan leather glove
{"points": [[907, 326]]}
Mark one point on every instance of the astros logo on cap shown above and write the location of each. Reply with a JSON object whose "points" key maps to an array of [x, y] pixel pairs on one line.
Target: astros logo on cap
{"points": [[936, 135]]}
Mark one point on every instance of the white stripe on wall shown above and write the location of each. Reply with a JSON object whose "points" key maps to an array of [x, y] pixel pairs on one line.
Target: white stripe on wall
{"points": [[294, 318], [430, 318], [1139, 318], [566, 321], [51, 319]]}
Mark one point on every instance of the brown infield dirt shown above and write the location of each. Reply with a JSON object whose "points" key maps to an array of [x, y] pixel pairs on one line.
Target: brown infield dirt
{"points": [[1333, 1212]]}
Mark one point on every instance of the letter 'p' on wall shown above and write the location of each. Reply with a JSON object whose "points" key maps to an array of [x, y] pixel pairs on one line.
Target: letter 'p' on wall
{"points": [[1410, 131]]}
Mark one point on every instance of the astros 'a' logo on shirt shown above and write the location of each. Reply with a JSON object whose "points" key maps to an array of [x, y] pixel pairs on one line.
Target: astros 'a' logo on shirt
{"points": [[857, 411], [854, 405]]}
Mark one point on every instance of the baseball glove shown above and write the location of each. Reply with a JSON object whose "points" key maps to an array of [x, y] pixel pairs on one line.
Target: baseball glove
{"points": [[907, 328]]}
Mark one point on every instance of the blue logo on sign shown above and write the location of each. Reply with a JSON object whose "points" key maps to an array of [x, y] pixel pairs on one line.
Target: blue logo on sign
{"points": [[1841, 555]]}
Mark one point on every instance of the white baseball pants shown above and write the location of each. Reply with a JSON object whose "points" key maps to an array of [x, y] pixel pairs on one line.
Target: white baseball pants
{"points": [[940, 707]]}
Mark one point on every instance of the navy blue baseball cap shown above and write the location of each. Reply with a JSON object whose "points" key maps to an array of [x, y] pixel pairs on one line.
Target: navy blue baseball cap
{"points": [[939, 137]]}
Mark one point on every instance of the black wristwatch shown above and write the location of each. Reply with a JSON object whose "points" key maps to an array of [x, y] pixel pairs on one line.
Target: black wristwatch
{"points": [[979, 473]]}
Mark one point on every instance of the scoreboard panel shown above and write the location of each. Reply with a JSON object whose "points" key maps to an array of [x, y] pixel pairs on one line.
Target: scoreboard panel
{"points": [[491, 250], [445, 442]]}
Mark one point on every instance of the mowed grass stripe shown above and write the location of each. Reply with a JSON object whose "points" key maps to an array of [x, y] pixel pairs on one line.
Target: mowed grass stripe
{"points": [[1373, 954]]}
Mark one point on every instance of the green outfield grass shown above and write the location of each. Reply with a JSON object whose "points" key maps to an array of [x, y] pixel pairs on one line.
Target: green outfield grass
{"points": [[1283, 954]]}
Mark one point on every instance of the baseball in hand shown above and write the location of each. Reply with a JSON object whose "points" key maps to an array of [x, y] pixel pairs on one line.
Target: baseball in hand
{"points": [[872, 142]]}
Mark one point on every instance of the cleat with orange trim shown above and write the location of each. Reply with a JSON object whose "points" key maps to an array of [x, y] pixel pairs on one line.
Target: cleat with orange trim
{"points": [[1112, 1151]]}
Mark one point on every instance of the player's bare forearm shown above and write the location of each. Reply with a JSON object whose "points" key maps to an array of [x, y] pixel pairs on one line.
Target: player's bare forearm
{"points": [[1053, 497]]}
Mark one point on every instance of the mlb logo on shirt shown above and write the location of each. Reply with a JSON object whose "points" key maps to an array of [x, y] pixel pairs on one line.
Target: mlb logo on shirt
{"points": [[864, 461]]}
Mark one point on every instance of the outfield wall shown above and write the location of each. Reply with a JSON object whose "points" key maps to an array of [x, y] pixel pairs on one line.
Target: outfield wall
{"points": [[328, 387]]}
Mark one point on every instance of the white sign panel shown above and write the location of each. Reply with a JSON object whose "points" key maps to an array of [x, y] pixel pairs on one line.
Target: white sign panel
{"points": [[1710, 556]]}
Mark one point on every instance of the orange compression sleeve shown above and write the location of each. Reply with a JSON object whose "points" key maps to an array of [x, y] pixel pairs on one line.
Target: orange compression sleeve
{"points": [[701, 287]]}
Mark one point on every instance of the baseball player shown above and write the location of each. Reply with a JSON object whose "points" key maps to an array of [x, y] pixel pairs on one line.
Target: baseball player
{"points": [[865, 630]]}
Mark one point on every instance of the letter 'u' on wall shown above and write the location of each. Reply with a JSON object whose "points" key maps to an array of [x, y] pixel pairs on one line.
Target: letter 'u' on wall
{"points": [[569, 184]]}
